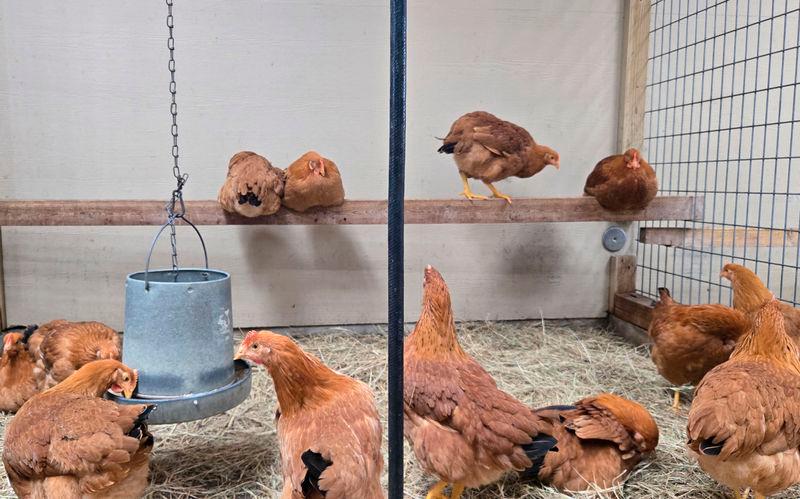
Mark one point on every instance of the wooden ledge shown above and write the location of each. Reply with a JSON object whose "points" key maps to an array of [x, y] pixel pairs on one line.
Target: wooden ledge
{"points": [[634, 308], [719, 237], [417, 211]]}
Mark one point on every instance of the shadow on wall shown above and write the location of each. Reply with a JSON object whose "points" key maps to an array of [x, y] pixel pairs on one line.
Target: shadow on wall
{"points": [[287, 265]]}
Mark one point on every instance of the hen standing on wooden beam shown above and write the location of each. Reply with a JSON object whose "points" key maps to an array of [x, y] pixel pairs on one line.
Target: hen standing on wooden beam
{"points": [[490, 149]]}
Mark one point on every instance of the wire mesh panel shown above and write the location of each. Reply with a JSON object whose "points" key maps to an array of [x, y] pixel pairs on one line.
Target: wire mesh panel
{"points": [[721, 121]]}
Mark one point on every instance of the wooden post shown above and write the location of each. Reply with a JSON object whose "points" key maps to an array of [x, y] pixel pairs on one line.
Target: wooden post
{"points": [[630, 132], [635, 45], [621, 278], [3, 314]]}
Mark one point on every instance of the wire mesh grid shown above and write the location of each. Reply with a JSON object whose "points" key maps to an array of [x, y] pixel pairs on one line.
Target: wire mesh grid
{"points": [[721, 121]]}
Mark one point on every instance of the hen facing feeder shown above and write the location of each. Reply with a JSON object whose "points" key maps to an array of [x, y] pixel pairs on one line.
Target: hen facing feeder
{"points": [[178, 322]]}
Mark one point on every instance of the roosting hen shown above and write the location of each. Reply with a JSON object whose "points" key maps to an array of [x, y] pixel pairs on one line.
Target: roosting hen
{"points": [[328, 426], [312, 181], [749, 293], [744, 424], [690, 340], [61, 347], [253, 187], [600, 440], [463, 429], [70, 443], [18, 380], [622, 182], [490, 149]]}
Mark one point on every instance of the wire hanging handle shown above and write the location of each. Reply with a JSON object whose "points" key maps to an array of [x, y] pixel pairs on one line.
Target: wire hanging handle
{"points": [[175, 207], [171, 223]]}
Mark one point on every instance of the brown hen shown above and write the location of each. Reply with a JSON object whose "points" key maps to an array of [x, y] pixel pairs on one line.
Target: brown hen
{"points": [[18, 381], [600, 440], [62, 347], [70, 443], [328, 426], [253, 187], [462, 428], [622, 182], [490, 149], [744, 424], [749, 293], [312, 181], [690, 340]]}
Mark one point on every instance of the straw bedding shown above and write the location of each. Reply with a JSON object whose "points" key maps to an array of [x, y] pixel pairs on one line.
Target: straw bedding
{"points": [[236, 454]]}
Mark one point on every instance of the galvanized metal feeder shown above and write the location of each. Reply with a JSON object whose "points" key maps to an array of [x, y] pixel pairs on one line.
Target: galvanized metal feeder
{"points": [[179, 336], [178, 322]]}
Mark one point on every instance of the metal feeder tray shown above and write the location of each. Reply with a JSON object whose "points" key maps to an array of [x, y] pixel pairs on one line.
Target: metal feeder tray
{"points": [[179, 336]]}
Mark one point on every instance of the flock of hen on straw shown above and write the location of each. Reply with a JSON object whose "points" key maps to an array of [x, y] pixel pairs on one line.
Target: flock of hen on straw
{"points": [[67, 441]]}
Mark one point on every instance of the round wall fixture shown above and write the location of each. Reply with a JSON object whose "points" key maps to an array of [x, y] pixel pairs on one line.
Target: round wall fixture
{"points": [[614, 238]]}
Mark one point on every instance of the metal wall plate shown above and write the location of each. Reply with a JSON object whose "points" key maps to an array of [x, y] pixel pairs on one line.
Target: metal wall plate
{"points": [[614, 238]]}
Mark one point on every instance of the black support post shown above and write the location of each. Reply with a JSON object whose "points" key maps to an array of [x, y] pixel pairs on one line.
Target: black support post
{"points": [[397, 157]]}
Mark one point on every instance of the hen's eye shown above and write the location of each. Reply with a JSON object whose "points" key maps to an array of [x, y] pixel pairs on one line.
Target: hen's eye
{"points": [[124, 377], [254, 346]]}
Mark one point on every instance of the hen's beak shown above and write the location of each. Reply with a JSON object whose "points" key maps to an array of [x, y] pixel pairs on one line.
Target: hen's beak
{"points": [[240, 353], [557, 164], [128, 393]]}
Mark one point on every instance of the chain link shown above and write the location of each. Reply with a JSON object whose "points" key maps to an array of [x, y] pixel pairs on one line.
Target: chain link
{"points": [[175, 207]]}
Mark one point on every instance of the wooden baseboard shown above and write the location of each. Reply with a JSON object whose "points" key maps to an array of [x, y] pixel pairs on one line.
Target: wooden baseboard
{"points": [[631, 332]]}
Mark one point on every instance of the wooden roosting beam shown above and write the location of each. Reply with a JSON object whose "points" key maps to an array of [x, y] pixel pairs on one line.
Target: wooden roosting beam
{"points": [[417, 211]]}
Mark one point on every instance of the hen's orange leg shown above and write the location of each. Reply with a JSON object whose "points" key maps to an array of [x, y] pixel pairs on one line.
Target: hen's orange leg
{"points": [[676, 402], [436, 491], [458, 489], [742, 495], [467, 193], [496, 193]]}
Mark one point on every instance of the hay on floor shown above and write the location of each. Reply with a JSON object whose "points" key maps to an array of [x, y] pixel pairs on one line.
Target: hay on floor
{"points": [[236, 454]]}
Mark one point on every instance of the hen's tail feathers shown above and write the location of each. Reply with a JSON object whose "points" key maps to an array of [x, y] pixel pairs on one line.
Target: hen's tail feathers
{"points": [[139, 426], [664, 297], [29, 332], [536, 452], [709, 448], [448, 148], [315, 464]]}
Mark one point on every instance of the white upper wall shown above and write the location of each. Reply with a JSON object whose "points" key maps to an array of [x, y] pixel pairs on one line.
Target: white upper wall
{"points": [[83, 95]]}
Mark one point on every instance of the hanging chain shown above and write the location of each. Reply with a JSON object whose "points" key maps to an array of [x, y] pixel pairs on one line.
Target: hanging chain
{"points": [[175, 207]]}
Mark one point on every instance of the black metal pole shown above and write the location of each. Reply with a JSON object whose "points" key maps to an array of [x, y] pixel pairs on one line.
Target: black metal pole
{"points": [[397, 160]]}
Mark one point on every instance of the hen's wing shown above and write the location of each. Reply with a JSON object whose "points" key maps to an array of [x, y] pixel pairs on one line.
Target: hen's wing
{"points": [[601, 174], [462, 396], [591, 421], [73, 344], [741, 407], [502, 138], [68, 434], [460, 134]]}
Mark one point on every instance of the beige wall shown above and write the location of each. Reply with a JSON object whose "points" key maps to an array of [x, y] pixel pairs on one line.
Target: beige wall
{"points": [[83, 95]]}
